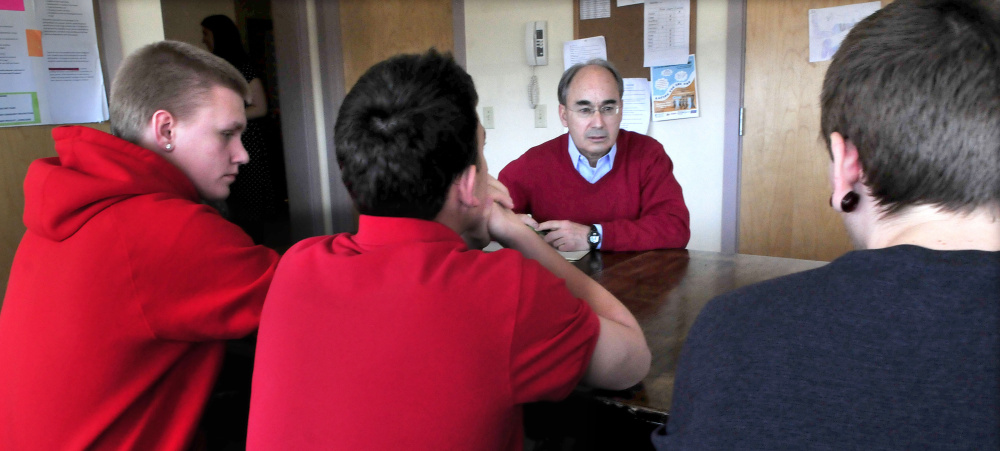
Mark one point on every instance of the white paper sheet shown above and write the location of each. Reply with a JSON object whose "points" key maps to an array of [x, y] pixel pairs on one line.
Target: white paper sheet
{"points": [[667, 32], [595, 9], [49, 63], [628, 2], [829, 26], [583, 50], [571, 256], [635, 108]]}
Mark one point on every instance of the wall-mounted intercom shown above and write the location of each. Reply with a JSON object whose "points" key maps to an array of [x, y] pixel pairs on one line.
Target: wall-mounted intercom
{"points": [[536, 49]]}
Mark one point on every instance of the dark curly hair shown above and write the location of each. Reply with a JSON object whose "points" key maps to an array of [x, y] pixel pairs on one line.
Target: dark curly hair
{"points": [[404, 133]]}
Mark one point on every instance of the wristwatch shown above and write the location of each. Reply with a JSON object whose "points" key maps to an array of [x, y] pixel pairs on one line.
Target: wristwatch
{"points": [[594, 238]]}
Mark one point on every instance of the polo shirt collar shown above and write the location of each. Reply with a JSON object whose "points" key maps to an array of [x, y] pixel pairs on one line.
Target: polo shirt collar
{"points": [[382, 230]]}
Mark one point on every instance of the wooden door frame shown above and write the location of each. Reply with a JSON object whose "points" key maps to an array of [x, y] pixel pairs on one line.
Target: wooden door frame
{"points": [[309, 52], [733, 140]]}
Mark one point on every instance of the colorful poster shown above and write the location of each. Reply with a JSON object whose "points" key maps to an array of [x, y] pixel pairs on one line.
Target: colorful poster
{"points": [[50, 71], [675, 91]]}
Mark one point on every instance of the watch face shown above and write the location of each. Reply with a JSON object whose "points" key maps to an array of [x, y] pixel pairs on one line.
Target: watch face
{"points": [[594, 238]]}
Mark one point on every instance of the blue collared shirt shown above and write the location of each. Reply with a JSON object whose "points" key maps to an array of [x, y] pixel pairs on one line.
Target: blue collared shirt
{"points": [[582, 164], [592, 174]]}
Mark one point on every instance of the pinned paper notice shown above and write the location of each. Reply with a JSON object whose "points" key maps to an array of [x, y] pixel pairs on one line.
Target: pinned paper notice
{"points": [[595, 9], [51, 66], [635, 105], [667, 26], [829, 26], [583, 50], [675, 91]]}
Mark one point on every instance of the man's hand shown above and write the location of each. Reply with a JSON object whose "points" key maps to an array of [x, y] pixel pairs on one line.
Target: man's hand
{"points": [[498, 193], [497, 197], [566, 235]]}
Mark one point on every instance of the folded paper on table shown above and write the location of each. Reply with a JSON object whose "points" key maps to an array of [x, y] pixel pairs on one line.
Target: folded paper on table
{"points": [[571, 256]]}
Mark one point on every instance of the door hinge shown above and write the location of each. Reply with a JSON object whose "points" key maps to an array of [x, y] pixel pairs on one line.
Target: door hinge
{"points": [[741, 121]]}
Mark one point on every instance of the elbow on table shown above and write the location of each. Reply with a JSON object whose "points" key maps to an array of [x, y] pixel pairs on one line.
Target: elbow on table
{"points": [[622, 367]]}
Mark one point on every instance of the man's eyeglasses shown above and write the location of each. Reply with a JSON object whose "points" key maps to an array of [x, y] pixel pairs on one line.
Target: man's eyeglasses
{"points": [[606, 110]]}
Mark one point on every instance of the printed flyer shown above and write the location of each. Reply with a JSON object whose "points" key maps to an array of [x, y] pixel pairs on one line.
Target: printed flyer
{"points": [[674, 91], [50, 71]]}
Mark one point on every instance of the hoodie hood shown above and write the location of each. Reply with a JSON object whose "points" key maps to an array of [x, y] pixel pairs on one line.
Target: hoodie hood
{"points": [[93, 171]]}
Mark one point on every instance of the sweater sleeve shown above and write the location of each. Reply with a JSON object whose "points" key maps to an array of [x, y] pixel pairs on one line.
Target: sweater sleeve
{"points": [[197, 276], [663, 221]]}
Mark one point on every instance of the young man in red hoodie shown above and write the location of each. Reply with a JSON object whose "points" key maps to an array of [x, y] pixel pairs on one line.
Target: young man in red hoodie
{"points": [[126, 286]]}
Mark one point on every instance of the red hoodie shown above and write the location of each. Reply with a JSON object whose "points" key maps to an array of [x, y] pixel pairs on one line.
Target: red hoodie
{"points": [[120, 297]]}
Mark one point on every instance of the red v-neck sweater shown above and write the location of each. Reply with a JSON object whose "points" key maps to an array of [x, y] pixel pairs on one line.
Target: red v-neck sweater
{"points": [[639, 203]]}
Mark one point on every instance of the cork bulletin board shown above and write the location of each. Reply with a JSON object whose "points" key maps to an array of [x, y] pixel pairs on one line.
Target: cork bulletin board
{"points": [[623, 34]]}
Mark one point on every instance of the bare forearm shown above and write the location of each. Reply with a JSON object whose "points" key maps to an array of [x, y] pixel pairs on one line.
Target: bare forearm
{"points": [[258, 100], [579, 284], [621, 357]]}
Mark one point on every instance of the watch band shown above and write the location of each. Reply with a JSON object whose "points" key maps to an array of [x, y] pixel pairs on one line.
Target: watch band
{"points": [[594, 238]]}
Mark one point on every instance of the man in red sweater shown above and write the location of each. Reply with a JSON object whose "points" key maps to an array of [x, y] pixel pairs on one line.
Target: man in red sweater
{"points": [[598, 187], [403, 336], [125, 286]]}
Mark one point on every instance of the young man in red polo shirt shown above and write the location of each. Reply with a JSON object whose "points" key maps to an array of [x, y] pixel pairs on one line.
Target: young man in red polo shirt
{"points": [[405, 335]]}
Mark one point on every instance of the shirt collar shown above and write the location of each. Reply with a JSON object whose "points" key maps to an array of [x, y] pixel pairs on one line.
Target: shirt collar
{"points": [[575, 155], [382, 230]]}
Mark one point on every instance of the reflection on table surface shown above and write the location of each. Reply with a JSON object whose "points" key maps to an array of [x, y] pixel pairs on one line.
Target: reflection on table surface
{"points": [[665, 290]]}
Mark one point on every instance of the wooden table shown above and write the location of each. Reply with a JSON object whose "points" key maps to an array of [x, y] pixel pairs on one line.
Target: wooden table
{"points": [[665, 290]]}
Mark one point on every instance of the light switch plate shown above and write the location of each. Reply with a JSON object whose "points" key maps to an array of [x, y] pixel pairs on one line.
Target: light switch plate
{"points": [[540, 120], [487, 117]]}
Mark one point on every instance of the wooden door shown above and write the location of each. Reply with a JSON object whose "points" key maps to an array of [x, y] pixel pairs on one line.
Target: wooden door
{"points": [[784, 191], [374, 30]]}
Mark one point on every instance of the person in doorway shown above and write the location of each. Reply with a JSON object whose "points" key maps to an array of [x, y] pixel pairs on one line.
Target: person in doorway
{"points": [[598, 187], [253, 202], [433, 344], [126, 285], [894, 345]]}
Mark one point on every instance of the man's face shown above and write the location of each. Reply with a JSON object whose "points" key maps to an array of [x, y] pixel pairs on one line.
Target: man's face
{"points": [[207, 145], [208, 39], [592, 89]]}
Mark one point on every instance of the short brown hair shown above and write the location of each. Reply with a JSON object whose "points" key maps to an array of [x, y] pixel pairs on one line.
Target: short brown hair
{"points": [[167, 75], [916, 88]]}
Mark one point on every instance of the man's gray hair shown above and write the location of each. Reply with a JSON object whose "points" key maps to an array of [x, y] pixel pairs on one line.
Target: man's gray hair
{"points": [[567, 77]]}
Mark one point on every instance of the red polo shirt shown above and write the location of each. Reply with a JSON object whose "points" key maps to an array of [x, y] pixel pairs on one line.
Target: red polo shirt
{"points": [[400, 337]]}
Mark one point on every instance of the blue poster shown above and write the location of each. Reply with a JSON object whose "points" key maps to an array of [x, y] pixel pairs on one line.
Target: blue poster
{"points": [[674, 91]]}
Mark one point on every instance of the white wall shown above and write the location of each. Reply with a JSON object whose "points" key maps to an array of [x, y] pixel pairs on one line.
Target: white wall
{"points": [[495, 59], [139, 23]]}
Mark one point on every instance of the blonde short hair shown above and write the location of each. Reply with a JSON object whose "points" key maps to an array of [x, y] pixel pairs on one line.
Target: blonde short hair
{"points": [[167, 75]]}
